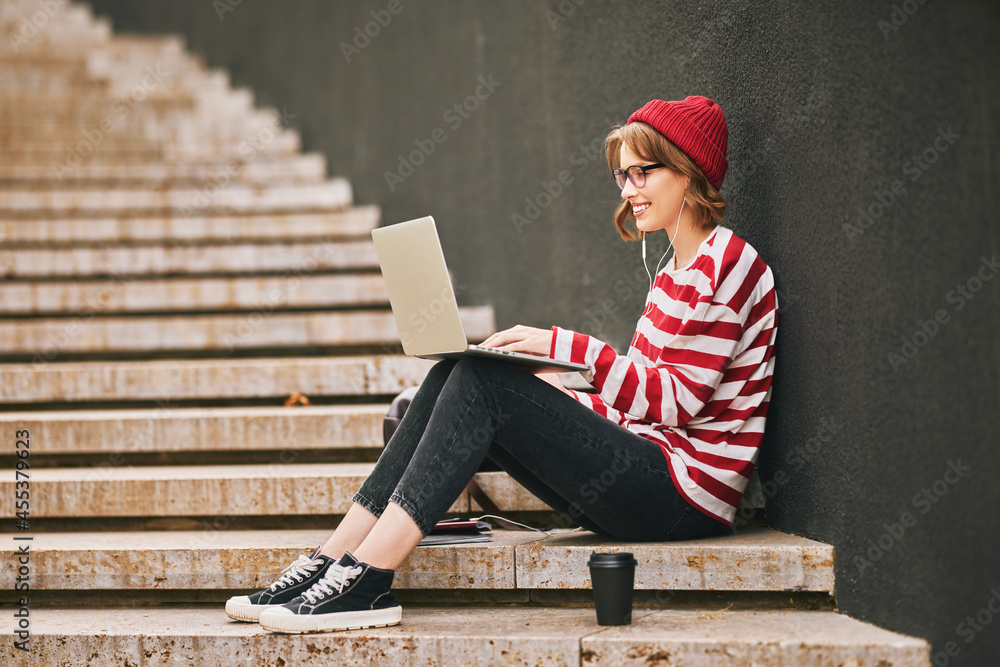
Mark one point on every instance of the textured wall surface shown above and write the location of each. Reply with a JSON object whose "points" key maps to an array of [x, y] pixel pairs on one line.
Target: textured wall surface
{"points": [[885, 418]]}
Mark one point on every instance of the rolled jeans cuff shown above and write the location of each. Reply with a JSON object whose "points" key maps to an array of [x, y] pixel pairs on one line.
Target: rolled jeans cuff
{"points": [[368, 504], [414, 511]]}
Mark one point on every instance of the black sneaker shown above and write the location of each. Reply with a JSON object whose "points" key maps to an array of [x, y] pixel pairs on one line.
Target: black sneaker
{"points": [[350, 596], [294, 580]]}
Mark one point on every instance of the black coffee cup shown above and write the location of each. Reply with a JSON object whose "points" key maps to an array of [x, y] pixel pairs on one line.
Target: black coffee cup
{"points": [[613, 577]]}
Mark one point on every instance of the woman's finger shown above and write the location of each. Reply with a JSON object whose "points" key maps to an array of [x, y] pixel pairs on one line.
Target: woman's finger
{"points": [[501, 338]]}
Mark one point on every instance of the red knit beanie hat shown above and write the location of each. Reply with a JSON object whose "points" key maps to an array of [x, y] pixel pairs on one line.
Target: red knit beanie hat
{"points": [[696, 126]]}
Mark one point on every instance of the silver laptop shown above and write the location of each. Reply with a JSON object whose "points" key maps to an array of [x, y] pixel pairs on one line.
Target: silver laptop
{"points": [[423, 301]]}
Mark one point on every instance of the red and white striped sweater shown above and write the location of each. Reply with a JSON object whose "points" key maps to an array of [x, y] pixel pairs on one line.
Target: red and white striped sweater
{"points": [[697, 376]]}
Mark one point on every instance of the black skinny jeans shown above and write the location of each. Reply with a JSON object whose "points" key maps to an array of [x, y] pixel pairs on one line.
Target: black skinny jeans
{"points": [[591, 470]]}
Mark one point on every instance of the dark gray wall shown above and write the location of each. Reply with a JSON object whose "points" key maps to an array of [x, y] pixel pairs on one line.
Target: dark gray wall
{"points": [[825, 111]]}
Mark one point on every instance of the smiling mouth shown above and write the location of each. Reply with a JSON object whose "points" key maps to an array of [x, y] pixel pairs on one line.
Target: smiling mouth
{"points": [[639, 208]]}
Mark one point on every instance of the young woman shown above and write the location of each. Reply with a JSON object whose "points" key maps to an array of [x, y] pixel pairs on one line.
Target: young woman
{"points": [[677, 421]]}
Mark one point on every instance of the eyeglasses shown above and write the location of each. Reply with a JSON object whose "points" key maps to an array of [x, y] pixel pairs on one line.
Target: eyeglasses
{"points": [[636, 173]]}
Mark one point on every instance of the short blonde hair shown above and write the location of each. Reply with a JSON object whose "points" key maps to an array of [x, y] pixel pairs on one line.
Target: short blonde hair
{"points": [[646, 142]]}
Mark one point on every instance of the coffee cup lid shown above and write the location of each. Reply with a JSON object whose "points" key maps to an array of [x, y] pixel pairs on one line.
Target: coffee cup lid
{"points": [[618, 559]]}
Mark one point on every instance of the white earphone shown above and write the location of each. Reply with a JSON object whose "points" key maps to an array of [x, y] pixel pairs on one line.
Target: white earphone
{"points": [[638, 325], [669, 246]]}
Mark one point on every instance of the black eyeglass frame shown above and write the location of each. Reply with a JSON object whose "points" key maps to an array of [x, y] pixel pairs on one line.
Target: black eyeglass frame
{"points": [[628, 174]]}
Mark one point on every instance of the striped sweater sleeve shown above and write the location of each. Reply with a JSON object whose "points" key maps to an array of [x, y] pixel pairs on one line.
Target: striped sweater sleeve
{"points": [[687, 338], [685, 376]]}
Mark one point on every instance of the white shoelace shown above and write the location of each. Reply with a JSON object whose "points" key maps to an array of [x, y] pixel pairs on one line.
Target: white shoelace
{"points": [[296, 571], [336, 577]]}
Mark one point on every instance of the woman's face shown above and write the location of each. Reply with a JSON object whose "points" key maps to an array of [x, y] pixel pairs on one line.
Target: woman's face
{"points": [[657, 204]]}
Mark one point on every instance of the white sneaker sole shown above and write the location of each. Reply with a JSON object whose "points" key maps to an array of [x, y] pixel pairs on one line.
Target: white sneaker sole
{"points": [[282, 619], [240, 608]]}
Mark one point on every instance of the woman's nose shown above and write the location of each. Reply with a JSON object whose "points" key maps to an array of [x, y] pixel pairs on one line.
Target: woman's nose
{"points": [[629, 189]]}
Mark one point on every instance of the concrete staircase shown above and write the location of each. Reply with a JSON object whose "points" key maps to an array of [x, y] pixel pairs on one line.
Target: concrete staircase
{"points": [[172, 272]]}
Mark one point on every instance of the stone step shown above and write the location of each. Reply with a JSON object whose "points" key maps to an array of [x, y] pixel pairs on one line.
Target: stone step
{"points": [[129, 47], [82, 78], [141, 78], [45, 42], [263, 329], [43, 66], [125, 57], [121, 113], [195, 294], [46, 128], [58, 14], [355, 221], [124, 62], [233, 198], [122, 53], [121, 47], [70, 29], [206, 93], [34, 79], [240, 559], [292, 168], [70, 150], [752, 559], [272, 489], [174, 381], [112, 115], [136, 84], [118, 59], [93, 108], [46, 131], [290, 258], [446, 637], [235, 429], [176, 139]]}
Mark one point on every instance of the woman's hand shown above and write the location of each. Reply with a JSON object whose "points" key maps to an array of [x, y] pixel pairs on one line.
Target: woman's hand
{"points": [[530, 341], [522, 339]]}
